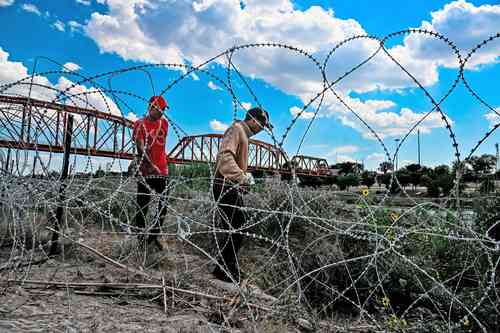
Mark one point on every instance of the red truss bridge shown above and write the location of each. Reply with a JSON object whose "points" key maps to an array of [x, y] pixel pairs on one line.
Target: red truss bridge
{"points": [[31, 124], [27, 123]]}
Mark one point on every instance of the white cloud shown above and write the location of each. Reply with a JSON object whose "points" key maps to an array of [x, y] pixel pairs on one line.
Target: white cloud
{"points": [[218, 126], [59, 25], [75, 26], [464, 24], [6, 3], [294, 111], [84, 2], [132, 30], [70, 67], [11, 71], [213, 86], [385, 123], [194, 76], [344, 158], [349, 149], [377, 157], [403, 163], [132, 116], [318, 146], [88, 97], [493, 118], [136, 30], [246, 105], [31, 8], [183, 31]]}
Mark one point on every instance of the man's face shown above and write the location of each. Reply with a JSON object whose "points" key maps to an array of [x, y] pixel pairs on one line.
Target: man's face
{"points": [[154, 111], [255, 126]]}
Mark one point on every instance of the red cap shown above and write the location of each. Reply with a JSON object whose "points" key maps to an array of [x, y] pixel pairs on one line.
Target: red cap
{"points": [[159, 101]]}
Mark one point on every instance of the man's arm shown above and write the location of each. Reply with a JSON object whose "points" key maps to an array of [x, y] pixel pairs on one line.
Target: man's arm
{"points": [[227, 165], [142, 155]]}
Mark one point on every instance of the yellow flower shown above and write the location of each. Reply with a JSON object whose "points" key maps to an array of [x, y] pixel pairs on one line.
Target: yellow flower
{"points": [[386, 302], [394, 216], [365, 192], [466, 322]]}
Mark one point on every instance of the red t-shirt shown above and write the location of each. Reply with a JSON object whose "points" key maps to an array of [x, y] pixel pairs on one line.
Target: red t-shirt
{"points": [[154, 136]]}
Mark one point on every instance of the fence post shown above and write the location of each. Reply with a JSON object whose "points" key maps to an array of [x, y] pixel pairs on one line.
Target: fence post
{"points": [[68, 132]]}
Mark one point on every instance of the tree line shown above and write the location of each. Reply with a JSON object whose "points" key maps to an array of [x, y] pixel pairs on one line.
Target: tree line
{"points": [[438, 180]]}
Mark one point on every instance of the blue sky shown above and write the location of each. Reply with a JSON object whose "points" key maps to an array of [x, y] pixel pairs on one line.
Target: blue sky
{"points": [[107, 35]]}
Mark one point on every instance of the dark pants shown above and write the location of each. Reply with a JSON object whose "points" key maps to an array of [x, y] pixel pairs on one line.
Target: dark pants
{"points": [[158, 185], [229, 201]]}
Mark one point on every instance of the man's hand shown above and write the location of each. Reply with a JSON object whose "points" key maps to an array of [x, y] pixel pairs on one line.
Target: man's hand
{"points": [[153, 169], [244, 188], [157, 170]]}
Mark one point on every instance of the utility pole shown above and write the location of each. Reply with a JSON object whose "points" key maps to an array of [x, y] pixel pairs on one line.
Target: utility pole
{"points": [[497, 155], [396, 154], [418, 144]]}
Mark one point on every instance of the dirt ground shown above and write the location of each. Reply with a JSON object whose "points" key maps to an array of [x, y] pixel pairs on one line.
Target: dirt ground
{"points": [[78, 291]]}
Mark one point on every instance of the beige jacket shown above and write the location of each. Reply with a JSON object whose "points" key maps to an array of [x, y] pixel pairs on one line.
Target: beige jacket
{"points": [[232, 159]]}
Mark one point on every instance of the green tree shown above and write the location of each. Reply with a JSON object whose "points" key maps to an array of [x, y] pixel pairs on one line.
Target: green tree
{"points": [[386, 180], [433, 189], [404, 177], [445, 183], [99, 173], [487, 186], [344, 182], [346, 168], [484, 165], [441, 170], [385, 167], [368, 178]]}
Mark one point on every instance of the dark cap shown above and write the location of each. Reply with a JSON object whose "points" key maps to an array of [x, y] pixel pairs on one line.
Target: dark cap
{"points": [[260, 115]]}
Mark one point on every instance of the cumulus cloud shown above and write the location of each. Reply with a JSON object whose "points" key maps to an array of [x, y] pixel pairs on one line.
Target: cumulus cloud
{"points": [[344, 158], [87, 97], [246, 105], [466, 25], [70, 67], [403, 163], [218, 125], [59, 25], [75, 26], [31, 8], [493, 117], [183, 31], [213, 86], [11, 71], [384, 122], [195, 77], [132, 116], [295, 110], [84, 2], [377, 157], [349, 149], [195, 30], [6, 3]]}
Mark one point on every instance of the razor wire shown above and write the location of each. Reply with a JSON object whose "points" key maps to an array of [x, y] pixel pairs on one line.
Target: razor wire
{"points": [[314, 251]]}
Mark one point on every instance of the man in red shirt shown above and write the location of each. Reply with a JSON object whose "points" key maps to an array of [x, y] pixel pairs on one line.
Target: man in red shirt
{"points": [[150, 134]]}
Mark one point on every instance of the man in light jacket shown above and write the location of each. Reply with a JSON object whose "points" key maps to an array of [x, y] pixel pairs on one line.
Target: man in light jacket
{"points": [[230, 183]]}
